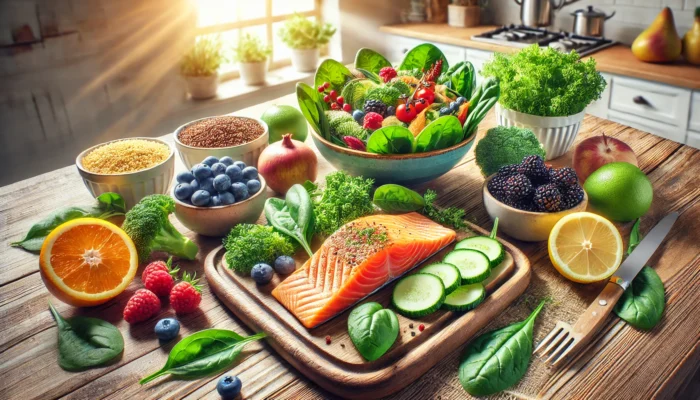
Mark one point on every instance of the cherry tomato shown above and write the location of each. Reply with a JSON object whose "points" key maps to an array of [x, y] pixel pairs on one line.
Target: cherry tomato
{"points": [[346, 107], [425, 94], [326, 85], [333, 94], [420, 105], [335, 106], [340, 100], [321, 89], [406, 112], [327, 98]]}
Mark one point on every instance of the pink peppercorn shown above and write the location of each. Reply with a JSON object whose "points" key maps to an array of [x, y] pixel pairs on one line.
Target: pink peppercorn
{"points": [[421, 327]]}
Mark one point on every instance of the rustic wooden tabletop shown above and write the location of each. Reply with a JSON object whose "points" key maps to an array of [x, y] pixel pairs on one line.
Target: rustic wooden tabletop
{"points": [[623, 362]]}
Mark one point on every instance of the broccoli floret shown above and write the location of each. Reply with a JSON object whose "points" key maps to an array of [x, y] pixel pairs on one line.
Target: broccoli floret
{"points": [[352, 128], [250, 244], [386, 94], [343, 124], [505, 146], [147, 224], [401, 86], [335, 118]]}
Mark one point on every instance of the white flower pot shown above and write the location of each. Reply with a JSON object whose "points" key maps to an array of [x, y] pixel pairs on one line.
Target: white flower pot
{"points": [[556, 134], [305, 60], [254, 73], [202, 87]]}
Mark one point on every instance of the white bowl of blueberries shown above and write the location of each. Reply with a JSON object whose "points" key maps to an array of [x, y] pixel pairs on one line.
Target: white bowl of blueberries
{"points": [[217, 194]]}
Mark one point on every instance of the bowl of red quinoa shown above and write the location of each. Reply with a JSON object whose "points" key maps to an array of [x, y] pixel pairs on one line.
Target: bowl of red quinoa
{"points": [[240, 138], [133, 167]]}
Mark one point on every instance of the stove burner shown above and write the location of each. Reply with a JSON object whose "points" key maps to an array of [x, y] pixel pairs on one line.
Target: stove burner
{"points": [[523, 36]]}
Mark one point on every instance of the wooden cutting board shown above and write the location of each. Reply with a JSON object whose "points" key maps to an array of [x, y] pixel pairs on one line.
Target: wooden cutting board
{"points": [[338, 367]]}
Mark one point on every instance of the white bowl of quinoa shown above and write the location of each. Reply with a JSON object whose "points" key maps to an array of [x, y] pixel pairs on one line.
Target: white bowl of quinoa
{"points": [[133, 167], [241, 138]]}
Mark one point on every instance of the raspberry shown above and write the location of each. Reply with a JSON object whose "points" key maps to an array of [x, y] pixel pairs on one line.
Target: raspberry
{"points": [[186, 295], [159, 282], [517, 187], [387, 74], [372, 121], [547, 198], [141, 306], [156, 266]]}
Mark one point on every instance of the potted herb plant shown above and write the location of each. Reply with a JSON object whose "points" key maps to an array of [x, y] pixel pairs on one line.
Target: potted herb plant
{"points": [[252, 55], [546, 91], [200, 66], [464, 13], [305, 38]]}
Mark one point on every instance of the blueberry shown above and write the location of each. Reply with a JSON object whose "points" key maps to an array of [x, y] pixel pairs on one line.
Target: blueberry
{"points": [[208, 185], [183, 191], [444, 111], [201, 171], [218, 169], [391, 110], [226, 198], [460, 100], [226, 161], [239, 190], [222, 183], [261, 273], [285, 265], [185, 177], [454, 106], [234, 173], [195, 185], [229, 387], [253, 186], [201, 198], [211, 160], [250, 173], [167, 329], [239, 164], [359, 116], [215, 201]]}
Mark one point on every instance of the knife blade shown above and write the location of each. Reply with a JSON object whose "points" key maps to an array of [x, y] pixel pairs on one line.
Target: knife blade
{"points": [[646, 248]]}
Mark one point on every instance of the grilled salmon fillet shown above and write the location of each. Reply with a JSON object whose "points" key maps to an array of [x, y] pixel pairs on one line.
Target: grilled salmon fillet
{"points": [[357, 259]]}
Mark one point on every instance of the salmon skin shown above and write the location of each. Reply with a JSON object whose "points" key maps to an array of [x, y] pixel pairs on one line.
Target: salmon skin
{"points": [[356, 260]]}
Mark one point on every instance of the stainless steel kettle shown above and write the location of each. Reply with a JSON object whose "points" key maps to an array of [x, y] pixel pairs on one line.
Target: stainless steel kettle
{"points": [[589, 22], [538, 13]]}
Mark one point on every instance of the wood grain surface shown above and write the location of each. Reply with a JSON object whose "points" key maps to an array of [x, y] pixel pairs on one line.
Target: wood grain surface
{"points": [[622, 363]]}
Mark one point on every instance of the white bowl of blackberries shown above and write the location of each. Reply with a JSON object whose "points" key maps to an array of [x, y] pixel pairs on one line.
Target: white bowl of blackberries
{"points": [[530, 198], [217, 194]]}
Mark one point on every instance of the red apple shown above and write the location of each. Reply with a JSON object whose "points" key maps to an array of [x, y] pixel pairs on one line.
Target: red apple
{"points": [[597, 151]]}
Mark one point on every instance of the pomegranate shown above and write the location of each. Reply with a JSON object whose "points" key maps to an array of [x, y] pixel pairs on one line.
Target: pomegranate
{"points": [[287, 162]]}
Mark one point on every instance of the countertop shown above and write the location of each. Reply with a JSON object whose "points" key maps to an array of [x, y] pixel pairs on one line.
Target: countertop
{"points": [[623, 363], [617, 59]]}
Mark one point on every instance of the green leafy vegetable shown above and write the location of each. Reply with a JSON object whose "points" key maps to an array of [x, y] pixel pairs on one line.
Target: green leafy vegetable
{"points": [[391, 140], [371, 76], [635, 237], [370, 60], [86, 342], [310, 105], [292, 216], [461, 78], [108, 205], [545, 81], [498, 359], [451, 216], [387, 94], [344, 198], [481, 102], [355, 91], [398, 199], [333, 72], [372, 329], [250, 244], [442, 133], [422, 57], [505, 146], [203, 354]]}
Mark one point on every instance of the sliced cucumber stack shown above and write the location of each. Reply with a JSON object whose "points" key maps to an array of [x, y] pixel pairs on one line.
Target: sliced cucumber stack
{"points": [[450, 275], [418, 295], [485, 244], [473, 265], [465, 297]]}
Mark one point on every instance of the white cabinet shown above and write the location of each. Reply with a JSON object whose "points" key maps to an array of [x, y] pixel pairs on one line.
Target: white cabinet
{"points": [[478, 58], [599, 108], [694, 119]]}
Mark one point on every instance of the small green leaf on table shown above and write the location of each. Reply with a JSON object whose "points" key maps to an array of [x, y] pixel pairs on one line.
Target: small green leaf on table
{"points": [[373, 329]]}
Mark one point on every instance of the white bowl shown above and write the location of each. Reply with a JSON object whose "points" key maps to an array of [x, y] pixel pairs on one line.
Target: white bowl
{"points": [[132, 186], [218, 221], [247, 152], [556, 134]]}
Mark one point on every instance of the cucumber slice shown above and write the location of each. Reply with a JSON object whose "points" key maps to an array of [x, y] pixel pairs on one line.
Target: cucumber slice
{"points": [[473, 265], [450, 275], [491, 247], [465, 297], [418, 295]]}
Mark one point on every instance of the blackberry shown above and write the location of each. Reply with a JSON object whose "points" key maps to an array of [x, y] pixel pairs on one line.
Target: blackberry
{"points": [[508, 170], [375, 106], [571, 196], [524, 204], [517, 187], [547, 198], [497, 187], [564, 177], [533, 167]]}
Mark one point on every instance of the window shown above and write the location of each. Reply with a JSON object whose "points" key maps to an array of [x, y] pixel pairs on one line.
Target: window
{"points": [[264, 18]]}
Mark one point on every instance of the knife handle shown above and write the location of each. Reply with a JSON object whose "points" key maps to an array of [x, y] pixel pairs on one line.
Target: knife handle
{"points": [[595, 315]]}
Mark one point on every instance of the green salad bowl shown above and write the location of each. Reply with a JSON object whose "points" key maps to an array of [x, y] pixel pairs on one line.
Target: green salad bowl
{"points": [[402, 169]]}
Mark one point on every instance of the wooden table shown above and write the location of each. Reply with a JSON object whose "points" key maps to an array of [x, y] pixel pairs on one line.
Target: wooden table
{"points": [[624, 363]]}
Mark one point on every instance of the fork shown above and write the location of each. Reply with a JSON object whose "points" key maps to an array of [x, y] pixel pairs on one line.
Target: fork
{"points": [[565, 340]]}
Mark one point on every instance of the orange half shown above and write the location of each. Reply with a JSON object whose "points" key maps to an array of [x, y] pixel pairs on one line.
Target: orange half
{"points": [[87, 261]]}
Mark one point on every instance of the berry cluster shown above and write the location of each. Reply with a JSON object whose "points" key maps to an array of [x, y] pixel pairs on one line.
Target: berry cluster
{"points": [[532, 186], [331, 97]]}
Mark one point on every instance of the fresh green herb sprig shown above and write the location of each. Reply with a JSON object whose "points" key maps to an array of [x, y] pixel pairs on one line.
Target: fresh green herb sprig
{"points": [[450, 216], [250, 244], [343, 199]]}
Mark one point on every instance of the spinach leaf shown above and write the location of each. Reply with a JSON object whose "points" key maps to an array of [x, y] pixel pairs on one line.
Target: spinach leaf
{"points": [[422, 57], [393, 198], [498, 359], [86, 342], [203, 353], [292, 216], [442, 133], [372, 329], [482, 100], [391, 140], [310, 107], [460, 78], [370, 60], [108, 205], [333, 72], [642, 304]]}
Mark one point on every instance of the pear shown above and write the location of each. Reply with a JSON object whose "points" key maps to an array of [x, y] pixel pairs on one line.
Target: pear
{"points": [[660, 41], [691, 41]]}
